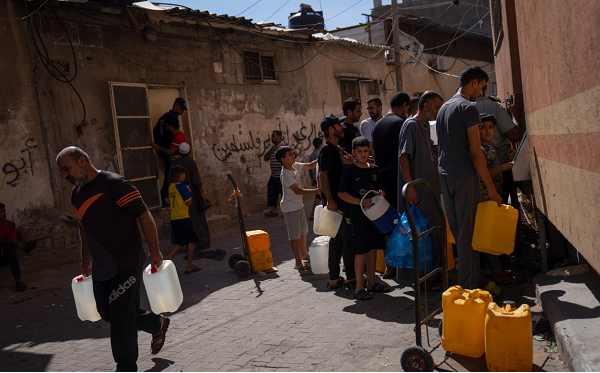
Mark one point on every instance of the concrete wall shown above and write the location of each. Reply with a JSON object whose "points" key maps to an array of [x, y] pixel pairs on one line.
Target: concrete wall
{"points": [[558, 48]]}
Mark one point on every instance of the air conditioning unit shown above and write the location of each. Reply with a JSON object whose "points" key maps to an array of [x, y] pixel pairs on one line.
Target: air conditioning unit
{"points": [[438, 63]]}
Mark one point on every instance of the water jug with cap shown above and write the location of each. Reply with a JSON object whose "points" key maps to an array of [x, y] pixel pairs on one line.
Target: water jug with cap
{"points": [[83, 293], [258, 241], [508, 341], [381, 213], [319, 255], [464, 321], [495, 228], [327, 222], [163, 288]]}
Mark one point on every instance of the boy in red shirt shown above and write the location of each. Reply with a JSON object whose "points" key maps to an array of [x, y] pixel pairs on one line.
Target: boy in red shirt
{"points": [[8, 246]]}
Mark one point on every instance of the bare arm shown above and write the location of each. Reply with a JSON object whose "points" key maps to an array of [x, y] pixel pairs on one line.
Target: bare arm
{"points": [[412, 195], [149, 228], [311, 165], [169, 151], [503, 167], [303, 192], [479, 162], [324, 185], [268, 153], [86, 256]]}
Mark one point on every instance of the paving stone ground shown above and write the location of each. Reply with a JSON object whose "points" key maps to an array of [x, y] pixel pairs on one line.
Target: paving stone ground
{"points": [[286, 321]]}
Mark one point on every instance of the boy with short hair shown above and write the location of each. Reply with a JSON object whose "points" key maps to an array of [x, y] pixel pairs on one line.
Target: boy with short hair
{"points": [[486, 133], [291, 204], [181, 224], [357, 179]]}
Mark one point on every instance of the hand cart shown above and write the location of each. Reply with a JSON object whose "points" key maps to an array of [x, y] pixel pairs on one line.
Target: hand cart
{"points": [[417, 358], [241, 264]]}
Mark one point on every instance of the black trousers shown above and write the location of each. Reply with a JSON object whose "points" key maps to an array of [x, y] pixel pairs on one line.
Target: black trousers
{"points": [[10, 259], [164, 191], [274, 189], [339, 246], [118, 302]]}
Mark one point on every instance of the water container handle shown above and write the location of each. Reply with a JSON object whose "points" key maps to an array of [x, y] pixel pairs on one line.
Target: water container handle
{"points": [[362, 199]]}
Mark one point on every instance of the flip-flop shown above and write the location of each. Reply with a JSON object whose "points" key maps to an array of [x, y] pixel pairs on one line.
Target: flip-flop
{"points": [[155, 346], [351, 285], [21, 286], [194, 269], [363, 294], [378, 288], [339, 284], [387, 276], [301, 267], [307, 259]]}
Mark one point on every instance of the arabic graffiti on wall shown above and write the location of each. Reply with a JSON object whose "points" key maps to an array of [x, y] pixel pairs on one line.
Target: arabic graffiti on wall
{"points": [[16, 169], [301, 139]]}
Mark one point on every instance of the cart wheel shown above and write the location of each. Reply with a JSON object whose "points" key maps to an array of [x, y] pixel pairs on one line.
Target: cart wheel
{"points": [[242, 268], [234, 259], [440, 328], [416, 359]]}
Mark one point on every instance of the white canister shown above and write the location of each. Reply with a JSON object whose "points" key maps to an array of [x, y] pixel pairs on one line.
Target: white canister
{"points": [[163, 288], [319, 255], [327, 222], [83, 293]]}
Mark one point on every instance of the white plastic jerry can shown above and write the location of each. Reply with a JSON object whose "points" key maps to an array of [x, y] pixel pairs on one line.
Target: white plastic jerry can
{"points": [[83, 293], [319, 255], [163, 288]]}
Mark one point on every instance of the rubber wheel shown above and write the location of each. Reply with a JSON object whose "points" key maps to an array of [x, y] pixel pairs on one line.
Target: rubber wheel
{"points": [[242, 269], [234, 259], [416, 359]]}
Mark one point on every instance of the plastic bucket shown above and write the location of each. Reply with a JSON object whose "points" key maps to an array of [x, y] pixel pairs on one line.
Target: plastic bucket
{"points": [[319, 255], [380, 213], [83, 293], [327, 222]]}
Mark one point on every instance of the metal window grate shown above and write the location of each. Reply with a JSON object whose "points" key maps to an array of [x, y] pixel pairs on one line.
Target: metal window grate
{"points": [[496, 17], [268, 63], [252, 70]]}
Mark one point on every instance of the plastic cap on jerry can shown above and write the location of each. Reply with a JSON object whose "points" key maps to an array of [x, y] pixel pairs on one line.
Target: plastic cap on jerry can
{"points": [[83, 293], [163, 288], [508, 342]]}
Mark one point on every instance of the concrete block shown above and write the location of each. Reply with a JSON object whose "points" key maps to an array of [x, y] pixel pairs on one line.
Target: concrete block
{"points": [[572, 306]]}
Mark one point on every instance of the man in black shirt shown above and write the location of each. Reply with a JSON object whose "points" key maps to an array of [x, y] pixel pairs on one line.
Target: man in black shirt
{"points": [[107, 206], [386, 134], [353, 112], [163, 136], [331, 166]]}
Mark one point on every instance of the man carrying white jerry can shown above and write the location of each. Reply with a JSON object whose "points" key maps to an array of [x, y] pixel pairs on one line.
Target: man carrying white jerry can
{"points": [[107, 206]]}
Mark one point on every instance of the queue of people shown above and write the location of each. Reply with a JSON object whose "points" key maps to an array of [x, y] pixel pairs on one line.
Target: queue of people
{"points": [[387, 151]]}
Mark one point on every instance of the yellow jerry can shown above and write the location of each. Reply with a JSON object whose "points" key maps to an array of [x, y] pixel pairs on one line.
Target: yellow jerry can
{"points": [[495, 228], [258, 241], [380, 263], [464, 321], [262, 261], [508, 338]]}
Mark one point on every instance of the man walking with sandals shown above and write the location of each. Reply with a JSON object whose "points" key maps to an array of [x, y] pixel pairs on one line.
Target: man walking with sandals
{"points": [[107, 206]]}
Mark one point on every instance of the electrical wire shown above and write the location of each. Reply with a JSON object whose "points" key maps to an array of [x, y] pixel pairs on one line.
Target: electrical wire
{"points": [[28, 14], [271, 14], [237, 15], [458, 28], [438, 17], [240, 53], [454, 39]]}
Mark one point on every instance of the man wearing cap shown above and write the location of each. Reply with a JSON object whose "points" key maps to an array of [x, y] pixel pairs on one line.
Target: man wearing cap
{"points": [[192, 179], [331, 166], [163, 137]]}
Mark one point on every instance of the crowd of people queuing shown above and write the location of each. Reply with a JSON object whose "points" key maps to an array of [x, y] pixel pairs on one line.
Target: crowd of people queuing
{"points": [[471, 162]]}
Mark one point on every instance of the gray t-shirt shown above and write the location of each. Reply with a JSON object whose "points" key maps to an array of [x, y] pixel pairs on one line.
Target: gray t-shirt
{"points": [[415, 141], [499, 142], [455, 117]]}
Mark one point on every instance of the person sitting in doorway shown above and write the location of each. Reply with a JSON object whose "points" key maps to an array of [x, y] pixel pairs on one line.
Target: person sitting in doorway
{"points": [[8, 247]]}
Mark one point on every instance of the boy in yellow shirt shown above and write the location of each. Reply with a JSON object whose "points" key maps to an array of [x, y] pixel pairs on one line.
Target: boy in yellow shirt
{"points": [[181, 224]]}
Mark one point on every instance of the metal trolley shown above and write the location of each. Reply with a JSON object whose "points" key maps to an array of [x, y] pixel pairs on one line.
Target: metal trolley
{"points": [[417, 358], [241, 264]]}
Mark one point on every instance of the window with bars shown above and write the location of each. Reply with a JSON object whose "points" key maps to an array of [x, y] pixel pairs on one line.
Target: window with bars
{"points": [[259, 67], [497, 18]]}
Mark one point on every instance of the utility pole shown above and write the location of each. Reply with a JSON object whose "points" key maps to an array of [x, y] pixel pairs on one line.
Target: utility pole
{"points": [[397, 57]]}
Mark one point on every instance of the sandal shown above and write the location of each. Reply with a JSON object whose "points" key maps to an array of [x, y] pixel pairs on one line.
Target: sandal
{"points": [[156, 346], [378, 288], [307, 259], [363, 294], [194, 269], [387, 276], [21, 286], [301, 267], [339, 284], [502, 278], [351, 285]]}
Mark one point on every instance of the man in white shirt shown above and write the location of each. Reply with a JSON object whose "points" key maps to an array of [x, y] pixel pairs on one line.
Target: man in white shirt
{"points": [[375, 109]]}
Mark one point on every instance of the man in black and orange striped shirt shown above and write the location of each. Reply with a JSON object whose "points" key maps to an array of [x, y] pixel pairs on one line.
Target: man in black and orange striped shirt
{"points": [[107, 206]]}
